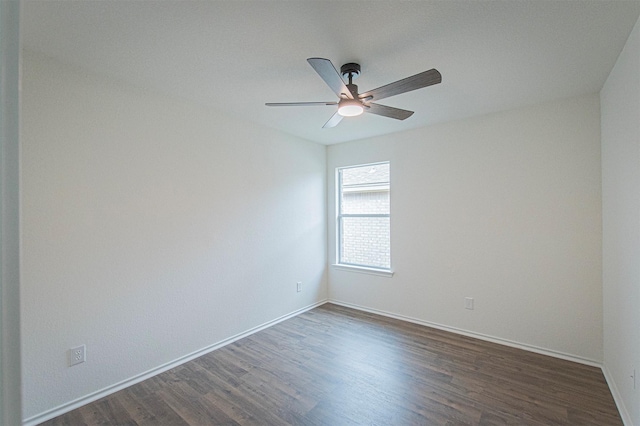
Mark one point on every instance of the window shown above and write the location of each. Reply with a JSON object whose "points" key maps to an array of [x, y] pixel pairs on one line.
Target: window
{"points": [[364, 238]]}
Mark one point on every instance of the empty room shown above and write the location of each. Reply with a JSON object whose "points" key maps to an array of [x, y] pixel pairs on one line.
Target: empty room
{"points": [[321, 212]]}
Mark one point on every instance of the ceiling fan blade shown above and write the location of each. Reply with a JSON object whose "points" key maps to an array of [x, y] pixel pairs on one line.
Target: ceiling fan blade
{"points": [[333, 121], [330, 75], [299, 103], [387, 111], [418, 81]]}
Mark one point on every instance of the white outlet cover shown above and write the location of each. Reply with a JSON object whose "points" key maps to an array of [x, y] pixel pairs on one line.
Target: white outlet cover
{"points": [[77, 355], [468, 303]]}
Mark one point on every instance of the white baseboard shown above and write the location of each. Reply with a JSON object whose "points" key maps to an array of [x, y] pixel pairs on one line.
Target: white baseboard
{"points": [[94, 396], [506, 342], [622, 409]]}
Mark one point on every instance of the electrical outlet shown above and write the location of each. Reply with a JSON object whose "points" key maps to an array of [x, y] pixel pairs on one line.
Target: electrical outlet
{"points": [[468, 303], [299, 286], [77, 355]]}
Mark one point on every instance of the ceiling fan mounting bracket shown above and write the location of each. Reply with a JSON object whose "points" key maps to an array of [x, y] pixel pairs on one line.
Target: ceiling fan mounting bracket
{"points": [[350, 70]]}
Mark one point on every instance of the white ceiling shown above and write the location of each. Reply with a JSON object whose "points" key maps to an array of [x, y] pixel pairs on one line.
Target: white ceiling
{"points": [[237, 55]]}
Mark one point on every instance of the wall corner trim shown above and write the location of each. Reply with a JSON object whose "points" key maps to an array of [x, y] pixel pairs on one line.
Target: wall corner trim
{"points": [[617, 398]]}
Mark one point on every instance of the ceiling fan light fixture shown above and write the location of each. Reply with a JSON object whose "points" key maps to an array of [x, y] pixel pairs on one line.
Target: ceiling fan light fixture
{"points": [[350, 108]]}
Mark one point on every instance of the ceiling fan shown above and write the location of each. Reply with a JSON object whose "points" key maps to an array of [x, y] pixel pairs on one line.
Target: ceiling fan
{"points": [[351, 102]]}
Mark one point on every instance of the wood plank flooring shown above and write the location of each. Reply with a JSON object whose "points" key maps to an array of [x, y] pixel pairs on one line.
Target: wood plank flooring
{"points": [[338, 366]]}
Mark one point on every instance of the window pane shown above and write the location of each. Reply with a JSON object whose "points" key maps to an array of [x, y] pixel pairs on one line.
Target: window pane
{"points": [[369, 202], [365, 241], [363, 192], [365, 175], [365, 189]]}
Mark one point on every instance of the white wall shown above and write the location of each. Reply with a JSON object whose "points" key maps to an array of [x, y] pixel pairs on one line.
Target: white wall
{"points": [[153, 228], [620, 100], [505, 208], [9, 214]]}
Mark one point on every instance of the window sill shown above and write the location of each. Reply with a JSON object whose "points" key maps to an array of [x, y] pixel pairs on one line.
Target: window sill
{"points": [[363, 270]]}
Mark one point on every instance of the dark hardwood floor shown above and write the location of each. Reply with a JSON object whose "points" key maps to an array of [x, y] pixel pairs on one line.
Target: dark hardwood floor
{"points": [[338, 366]]}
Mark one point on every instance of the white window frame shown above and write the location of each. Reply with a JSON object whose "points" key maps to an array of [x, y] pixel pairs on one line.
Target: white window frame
{"points": [[374, 270]]}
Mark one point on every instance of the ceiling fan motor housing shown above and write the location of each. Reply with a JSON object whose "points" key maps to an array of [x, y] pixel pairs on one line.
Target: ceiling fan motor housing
{"points": [[350, 70]]}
